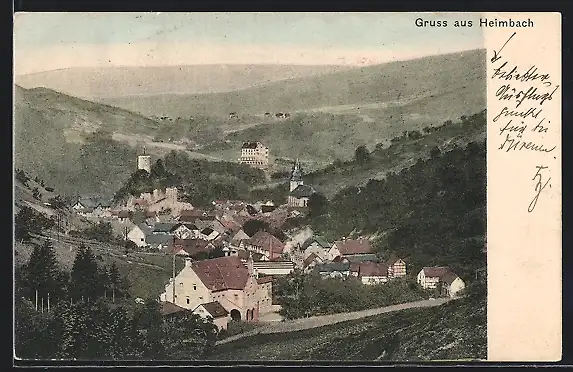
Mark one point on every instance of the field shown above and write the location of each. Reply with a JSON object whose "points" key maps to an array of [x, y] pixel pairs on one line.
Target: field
{"points": [[453, 331]]}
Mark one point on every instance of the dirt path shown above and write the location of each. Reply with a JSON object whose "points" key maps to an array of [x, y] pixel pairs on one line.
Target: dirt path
{"points": [[322, 320]]}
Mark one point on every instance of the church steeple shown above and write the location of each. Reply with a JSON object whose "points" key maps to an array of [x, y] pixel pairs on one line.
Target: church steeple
{"points": [[296, 176]]}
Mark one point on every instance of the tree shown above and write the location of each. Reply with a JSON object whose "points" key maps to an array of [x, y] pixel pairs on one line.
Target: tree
{"points": [[362, 155], [57, 202], [190, 337], [147, 324], [85, 277], [42, 273], [251, 227], [21, 176], [27, 221], [317, 205]]}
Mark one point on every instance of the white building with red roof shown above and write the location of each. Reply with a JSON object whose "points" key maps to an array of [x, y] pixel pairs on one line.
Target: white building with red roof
{"points": [[264, 243], [429, 277], [349, 247], [226, 280]]}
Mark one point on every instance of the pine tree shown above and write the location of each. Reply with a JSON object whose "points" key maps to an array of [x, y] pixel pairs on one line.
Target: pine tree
{"points": [[42, 273], [85, 276]]}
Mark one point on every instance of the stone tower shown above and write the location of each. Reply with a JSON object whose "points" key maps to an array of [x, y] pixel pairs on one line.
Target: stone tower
{"points": [[296, 176], [144, 162]]}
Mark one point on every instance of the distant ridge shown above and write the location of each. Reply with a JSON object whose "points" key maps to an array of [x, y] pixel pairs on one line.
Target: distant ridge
{"points": [[413, 78], [119, 81]]}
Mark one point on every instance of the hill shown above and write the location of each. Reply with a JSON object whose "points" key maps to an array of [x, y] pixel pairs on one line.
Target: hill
{"points": [[91, 82], [377, 86], [453, 331], [68, 141]]}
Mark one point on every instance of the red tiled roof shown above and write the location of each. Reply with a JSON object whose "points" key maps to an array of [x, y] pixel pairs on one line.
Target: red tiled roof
{"points": [[222, 273], [435, 272], [307, 261], [187, 218], [168, 308], [350, 247], [267, 242], [150, 214], [448, 277], [191, 246], [265, 279], [392, 260], [372, 269], [215, 309]]}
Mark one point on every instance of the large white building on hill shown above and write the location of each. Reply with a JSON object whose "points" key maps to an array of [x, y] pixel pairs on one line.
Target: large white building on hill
{"points": [[255, 154]]}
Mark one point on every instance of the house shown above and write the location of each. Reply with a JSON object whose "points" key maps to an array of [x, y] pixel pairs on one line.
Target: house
{"points": [[216, 311], [159, 242], [310, 262], [268, 207], [370, 272], [349, 247], [242, 254], [396, 267], [170, 311], [273, 268], [358, 258], [316, 245], [208, 234], [189, 247], [189, 216], [184, 230], [451, 284], [163, 228], [226, 280], [236, 238], [138, 234], [255, 154], [264, 243], [333, 269], [429, 277], [299, 193]]}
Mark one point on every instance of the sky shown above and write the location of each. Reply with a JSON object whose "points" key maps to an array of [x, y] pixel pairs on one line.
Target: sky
{"points": [[49, 41]]}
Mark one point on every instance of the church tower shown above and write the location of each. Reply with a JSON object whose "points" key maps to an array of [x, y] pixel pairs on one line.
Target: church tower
{"points": [[144, 162], [296, 176]]}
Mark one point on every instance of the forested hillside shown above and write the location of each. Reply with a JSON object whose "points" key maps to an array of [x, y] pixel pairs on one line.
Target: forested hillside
{"points": [[200, 181]]}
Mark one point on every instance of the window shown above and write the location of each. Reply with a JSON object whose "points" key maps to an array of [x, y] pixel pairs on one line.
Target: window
{"points": [[141, 239], [187, 300], [194, 287], [181, 284]]}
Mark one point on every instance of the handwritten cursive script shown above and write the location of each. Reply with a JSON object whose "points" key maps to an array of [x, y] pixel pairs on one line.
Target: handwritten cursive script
{"points": [[526, 92], [539, 186]]}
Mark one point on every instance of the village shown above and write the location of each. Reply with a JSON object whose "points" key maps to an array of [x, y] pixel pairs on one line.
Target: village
{"points": [[233, 250]]}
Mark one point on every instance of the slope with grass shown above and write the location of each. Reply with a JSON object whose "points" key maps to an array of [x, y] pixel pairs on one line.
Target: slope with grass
{"points": [[455, 330], [413, 79], [68, 141]]}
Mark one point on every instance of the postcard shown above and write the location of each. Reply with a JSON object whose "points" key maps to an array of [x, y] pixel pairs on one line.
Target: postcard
{"points": [[246, 188]]}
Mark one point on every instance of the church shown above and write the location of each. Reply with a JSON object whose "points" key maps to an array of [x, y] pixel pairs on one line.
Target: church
{"points": [[299, 193]]}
